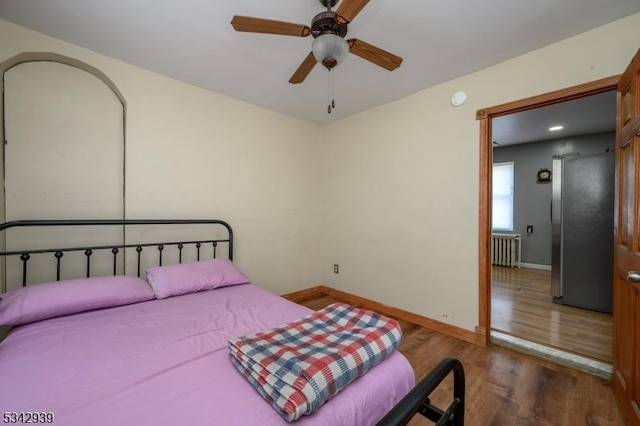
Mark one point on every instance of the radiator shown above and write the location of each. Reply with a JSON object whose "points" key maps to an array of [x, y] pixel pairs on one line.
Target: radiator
{"points": [[506, 250]]}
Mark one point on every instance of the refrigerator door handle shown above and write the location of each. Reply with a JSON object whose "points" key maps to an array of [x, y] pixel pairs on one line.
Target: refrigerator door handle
{"points": [[633, 276]]}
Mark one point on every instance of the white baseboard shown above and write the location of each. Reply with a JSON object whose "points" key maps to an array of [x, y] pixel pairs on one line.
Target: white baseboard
{"points": [[535, 266]]}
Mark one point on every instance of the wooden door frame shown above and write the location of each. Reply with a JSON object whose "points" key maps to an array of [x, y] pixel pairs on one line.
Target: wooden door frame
{"points": [[485, 116]]}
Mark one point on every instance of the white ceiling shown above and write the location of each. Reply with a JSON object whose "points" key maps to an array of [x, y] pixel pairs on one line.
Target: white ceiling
{"points": [[193, 41], [584, 116]]}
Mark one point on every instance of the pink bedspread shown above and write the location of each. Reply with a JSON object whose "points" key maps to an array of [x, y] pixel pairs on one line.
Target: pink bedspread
{"points": [[166, 362]]}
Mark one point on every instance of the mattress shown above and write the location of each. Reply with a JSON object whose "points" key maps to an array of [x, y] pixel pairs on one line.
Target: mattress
{"points": [[166, 362]]}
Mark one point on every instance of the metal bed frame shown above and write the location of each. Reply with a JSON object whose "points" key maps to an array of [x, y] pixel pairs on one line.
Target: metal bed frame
{"points": [[415, 402], [58, 252]]}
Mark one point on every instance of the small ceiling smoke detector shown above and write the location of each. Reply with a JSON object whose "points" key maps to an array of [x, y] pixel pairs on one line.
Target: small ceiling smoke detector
{"points": [[458, 98]]}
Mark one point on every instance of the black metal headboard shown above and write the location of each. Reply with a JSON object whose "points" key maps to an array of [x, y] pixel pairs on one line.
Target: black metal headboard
{"points": [[89, 250]]}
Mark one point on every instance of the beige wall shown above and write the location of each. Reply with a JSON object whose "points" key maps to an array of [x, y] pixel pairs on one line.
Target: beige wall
{"points": [[192, 153], [394, 198], [400, 185]]}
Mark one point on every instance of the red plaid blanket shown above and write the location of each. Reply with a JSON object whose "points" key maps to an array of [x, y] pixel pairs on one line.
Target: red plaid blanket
{"points": [[298, 366]]}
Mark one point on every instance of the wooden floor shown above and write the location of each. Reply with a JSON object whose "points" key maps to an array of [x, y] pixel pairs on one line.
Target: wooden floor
{"points": [[504, 387], [521, 305]]}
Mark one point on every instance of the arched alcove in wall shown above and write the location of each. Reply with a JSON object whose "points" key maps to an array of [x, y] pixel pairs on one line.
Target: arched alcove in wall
{"points": [[64, 134]]}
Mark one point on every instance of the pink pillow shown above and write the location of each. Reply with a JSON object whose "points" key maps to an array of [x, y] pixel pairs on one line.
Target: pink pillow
{"points": [[174, 280], [41, 301]]}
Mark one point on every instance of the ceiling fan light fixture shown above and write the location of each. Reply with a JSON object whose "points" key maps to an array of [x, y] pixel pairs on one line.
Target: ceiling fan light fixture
{"points": [[330, 50]]}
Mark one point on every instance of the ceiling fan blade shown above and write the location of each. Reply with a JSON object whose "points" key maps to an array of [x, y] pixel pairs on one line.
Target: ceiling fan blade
{"points": [[267, 26], [304, 69], [373, 54], [348, 9]]}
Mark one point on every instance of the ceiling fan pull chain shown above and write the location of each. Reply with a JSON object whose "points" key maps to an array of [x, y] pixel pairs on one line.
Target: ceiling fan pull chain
{"points": [[333, 91], [330, 99], [329, 95]]}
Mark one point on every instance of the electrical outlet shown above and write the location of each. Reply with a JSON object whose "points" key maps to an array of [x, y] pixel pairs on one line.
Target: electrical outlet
{"points": [[336, 268]]}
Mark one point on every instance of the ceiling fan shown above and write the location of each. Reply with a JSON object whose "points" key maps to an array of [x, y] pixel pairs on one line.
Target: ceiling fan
{"points": [[328, 29]]}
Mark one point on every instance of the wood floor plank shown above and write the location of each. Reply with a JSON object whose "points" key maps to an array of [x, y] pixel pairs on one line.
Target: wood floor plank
{"points": [[521, 305], [504, 387]]}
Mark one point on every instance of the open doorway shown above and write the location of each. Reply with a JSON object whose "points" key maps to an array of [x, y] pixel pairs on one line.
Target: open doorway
{"points": [[552, 225], [485, 118]]}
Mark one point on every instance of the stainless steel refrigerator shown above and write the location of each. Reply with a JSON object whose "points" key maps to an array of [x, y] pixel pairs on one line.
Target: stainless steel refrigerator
{"points": [[582, 211]]}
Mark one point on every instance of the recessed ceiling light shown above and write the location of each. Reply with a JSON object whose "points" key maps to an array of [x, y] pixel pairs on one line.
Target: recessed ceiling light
{"points": [[555, 128]]}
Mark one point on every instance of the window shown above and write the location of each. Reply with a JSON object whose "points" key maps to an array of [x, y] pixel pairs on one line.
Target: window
{"points": [[502, 216]]}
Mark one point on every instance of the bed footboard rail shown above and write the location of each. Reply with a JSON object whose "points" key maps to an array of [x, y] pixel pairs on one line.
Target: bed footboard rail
{"points": [[417, 400]]}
